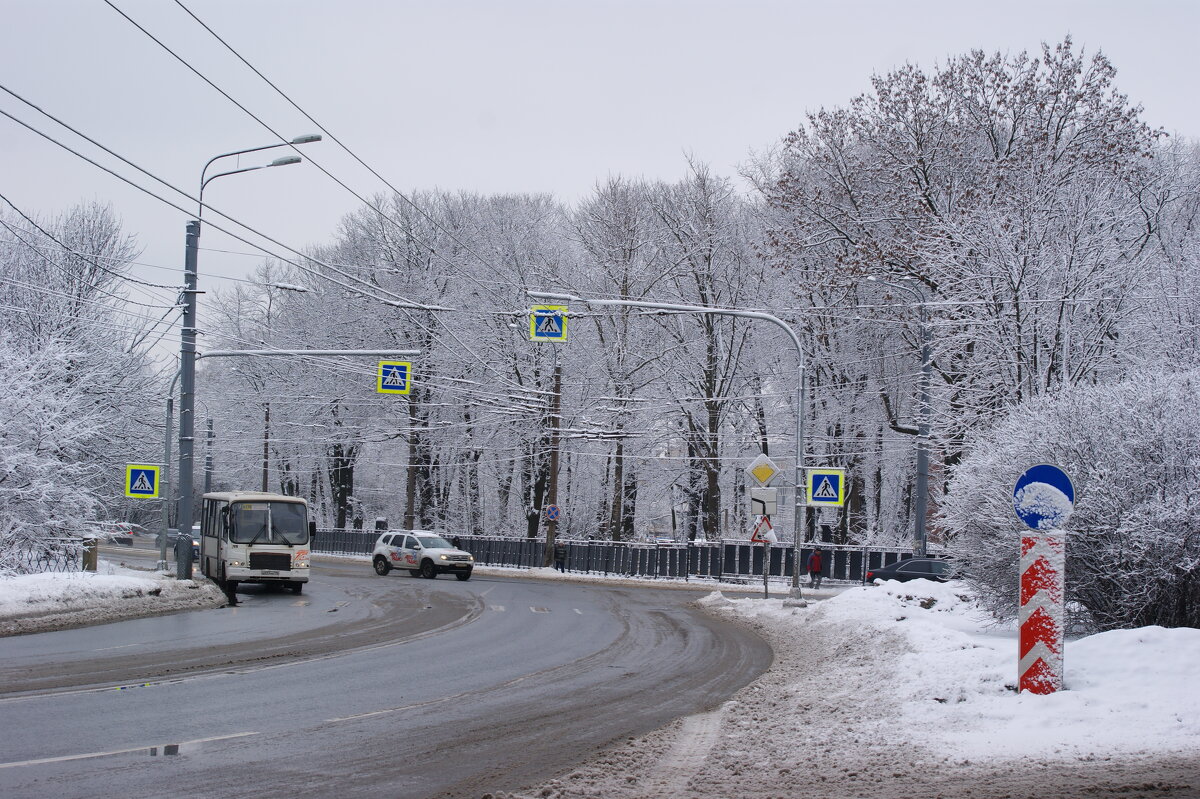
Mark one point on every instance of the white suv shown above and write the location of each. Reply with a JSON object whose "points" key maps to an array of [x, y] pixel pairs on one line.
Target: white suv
{"points": [[423, 553]]}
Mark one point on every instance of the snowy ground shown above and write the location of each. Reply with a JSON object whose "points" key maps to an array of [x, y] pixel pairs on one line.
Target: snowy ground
{"points": [[904, 691], [42, 602]]}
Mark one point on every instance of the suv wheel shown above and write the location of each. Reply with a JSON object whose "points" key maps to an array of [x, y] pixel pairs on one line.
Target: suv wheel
{"points": [[382, 567], [464, 576], [427, 570]]}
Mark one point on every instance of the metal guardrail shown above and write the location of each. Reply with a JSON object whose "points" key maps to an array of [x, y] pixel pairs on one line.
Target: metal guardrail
{"points": [[717, 560]]}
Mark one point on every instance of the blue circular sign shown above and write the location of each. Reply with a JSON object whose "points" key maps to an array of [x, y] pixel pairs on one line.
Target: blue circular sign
{"points": [[1043, 497], [553, 512]]}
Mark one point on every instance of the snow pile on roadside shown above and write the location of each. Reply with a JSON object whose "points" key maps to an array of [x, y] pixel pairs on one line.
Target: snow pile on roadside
{"points": [[1127, 691], [906, 691], [43, 602]]}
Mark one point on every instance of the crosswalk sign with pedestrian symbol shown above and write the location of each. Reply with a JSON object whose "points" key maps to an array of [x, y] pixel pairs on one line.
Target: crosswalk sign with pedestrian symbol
{"points": [[548, 323], [141, 481], [393, 377], [826, 486]]}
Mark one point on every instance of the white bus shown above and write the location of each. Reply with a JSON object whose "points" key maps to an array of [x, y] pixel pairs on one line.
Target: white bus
{"points": [[250, 537]]}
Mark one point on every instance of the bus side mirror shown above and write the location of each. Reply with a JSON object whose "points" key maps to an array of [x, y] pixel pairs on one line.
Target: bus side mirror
{"points": [[312, 531]]}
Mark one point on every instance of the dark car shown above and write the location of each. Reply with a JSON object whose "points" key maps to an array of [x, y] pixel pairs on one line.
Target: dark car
{"points": [[913, 569]]}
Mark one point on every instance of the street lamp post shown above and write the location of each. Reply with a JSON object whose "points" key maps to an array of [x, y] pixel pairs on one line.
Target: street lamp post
{"points": [[923, 413], [187, 348], [800, 519]]}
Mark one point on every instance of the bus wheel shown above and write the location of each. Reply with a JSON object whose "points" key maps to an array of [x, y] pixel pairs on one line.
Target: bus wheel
{"points": [[382, 567], [296, 587]]}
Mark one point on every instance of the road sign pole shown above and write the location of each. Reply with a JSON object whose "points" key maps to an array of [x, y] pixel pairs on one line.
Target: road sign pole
{"points": [[1043, 498], [552, 489], [766, 563], [1043, 562]]}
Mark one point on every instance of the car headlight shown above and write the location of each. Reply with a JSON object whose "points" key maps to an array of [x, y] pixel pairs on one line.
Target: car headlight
{"points": [[471, 558], [444, 557]]}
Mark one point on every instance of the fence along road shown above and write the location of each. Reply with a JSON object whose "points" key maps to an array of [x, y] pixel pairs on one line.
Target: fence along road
{"points": [[712, 560]]}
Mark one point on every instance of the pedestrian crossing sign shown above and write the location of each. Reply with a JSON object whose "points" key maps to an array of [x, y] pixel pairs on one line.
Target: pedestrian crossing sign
{"points": [[141, 481], [394, 377], [548, 323], [826, 487]]}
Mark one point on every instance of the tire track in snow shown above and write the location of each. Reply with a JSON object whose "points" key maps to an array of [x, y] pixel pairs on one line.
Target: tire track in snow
{"points": [[696, 738]]}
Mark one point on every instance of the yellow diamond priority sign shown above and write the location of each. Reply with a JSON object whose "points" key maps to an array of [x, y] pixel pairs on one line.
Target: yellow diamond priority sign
{"points": [[763, 470]]}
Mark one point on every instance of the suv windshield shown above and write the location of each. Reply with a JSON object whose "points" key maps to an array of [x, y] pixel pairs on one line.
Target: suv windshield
{"points": [[268, 523], [434, 542]]}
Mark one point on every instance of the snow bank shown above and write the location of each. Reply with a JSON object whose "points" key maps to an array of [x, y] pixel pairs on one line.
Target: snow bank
{"points": [[42, 602], [954, 673]]}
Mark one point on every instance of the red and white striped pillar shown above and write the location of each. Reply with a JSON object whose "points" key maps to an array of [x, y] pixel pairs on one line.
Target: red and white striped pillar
{"points": [[1043, 564]]}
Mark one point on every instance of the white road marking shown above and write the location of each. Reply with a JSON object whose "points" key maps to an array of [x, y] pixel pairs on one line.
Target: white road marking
{"points": [[65, 758], [539, 610], [122, 646], [497, 608], [577, 610]]}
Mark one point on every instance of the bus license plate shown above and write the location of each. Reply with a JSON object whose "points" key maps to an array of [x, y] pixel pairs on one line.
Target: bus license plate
{"points": [[270, 571]]}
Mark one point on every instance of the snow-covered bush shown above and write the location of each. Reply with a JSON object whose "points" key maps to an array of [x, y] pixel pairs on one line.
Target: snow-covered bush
{"points": [[1133, 542], [46, 434]]}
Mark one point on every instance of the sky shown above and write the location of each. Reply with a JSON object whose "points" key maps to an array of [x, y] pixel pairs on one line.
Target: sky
{"points": [[489, 97]]}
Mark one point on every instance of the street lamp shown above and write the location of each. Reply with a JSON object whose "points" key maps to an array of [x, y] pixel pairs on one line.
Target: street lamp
{"points": [[923, 409], [187, 348], [800, 515]]}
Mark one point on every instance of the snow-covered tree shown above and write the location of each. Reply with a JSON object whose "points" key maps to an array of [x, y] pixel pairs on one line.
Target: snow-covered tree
{"points": [[1132, 451], [48, 498]]}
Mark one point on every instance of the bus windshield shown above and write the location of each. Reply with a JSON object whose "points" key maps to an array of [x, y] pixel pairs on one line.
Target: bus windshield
{"points": [[268, 523]]}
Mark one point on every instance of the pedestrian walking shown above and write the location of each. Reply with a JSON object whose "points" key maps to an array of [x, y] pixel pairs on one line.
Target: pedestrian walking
{"points": [[560, 556], [456, 542], [814, 569]]}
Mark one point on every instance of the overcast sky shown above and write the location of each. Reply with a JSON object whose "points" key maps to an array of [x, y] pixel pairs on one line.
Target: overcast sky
{"points": [[504, 96]]}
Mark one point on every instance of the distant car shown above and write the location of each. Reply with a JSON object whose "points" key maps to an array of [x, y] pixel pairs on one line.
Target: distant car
{"points": [[172, 533], [937, 569], [422, 553], [122, 537]]}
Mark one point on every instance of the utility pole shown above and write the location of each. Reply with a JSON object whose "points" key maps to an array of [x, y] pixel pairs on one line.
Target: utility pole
{"points": [[266, 463], [187, 391], [208, 458]]}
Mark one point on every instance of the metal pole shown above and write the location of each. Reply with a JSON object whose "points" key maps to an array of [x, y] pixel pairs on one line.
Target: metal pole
{"points": [[552, 489], [266, 459], [800, 520], [164, 487], [187, 391], [208, 458]]}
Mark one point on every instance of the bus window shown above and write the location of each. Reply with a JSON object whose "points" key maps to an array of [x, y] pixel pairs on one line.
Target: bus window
{"points": [[268, 523]]}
